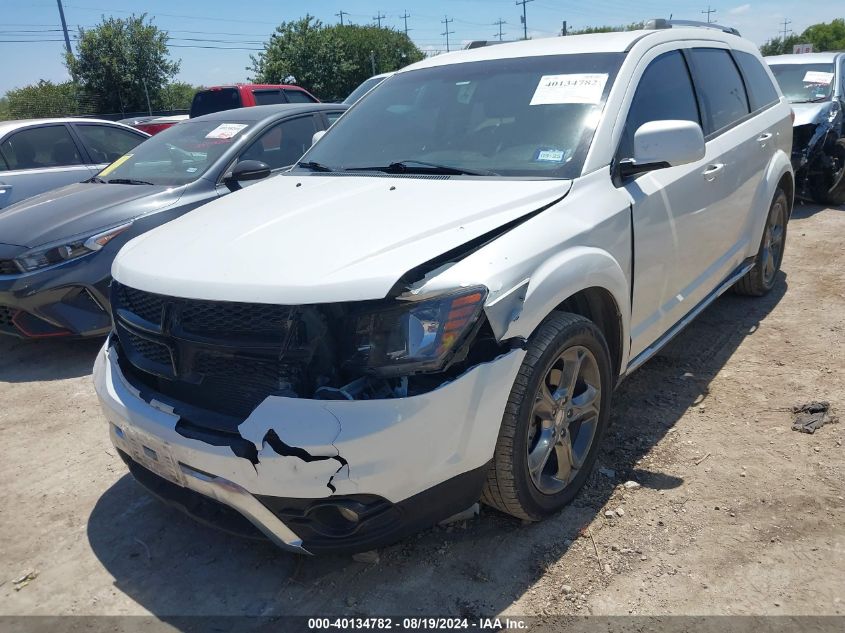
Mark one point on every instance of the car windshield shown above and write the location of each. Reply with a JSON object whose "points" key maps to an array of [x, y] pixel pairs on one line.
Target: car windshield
{"points": [[802, 83], [520, 117], [361, 90], [178, 155]]}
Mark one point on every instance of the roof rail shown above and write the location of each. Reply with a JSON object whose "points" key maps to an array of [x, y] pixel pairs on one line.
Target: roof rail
{"points": [[661, 23]]}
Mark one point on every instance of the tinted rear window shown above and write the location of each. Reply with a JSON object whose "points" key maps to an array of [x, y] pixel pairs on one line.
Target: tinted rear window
{"points": [[208, 101], [268, 97], [298, 96], [720, 88], [761, 90]]}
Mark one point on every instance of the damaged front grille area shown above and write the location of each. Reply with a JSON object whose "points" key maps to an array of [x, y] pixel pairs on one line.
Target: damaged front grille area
{"points": [[6, 315], [9, 267]]}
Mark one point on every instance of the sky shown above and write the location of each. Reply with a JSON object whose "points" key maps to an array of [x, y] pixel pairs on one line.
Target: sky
{"points": [[213, 38]]}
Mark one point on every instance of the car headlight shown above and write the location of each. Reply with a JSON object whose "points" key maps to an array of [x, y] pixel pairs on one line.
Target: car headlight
{"points": [[416, 336], [59, 252]]}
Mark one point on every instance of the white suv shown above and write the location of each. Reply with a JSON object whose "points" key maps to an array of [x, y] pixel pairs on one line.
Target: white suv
{"points": [[436, 304]]}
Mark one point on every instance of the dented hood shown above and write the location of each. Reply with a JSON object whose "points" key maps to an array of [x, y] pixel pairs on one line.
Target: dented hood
{"points": [[806, 113], [299, 239]]}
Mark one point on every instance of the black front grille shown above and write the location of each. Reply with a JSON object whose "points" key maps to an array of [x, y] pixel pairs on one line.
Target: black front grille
{"points": [[6, 315], [8, 267], [224, 357]]}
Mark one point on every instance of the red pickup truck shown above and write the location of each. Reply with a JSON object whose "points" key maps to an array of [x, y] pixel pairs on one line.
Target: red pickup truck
{"points": [[219, 98]]}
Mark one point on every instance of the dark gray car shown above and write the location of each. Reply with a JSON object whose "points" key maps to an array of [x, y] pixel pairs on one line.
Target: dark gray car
{"points": [[57, 247]]}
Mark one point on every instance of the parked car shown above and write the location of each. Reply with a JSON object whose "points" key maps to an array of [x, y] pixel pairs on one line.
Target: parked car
{"points": [[436, 304], [218, 98], [58, 247], [814, 83], [37, 155], [365, 87], [160, 123]]}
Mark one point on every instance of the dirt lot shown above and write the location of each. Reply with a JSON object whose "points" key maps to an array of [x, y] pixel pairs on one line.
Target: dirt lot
{"points": [[736, 513]]}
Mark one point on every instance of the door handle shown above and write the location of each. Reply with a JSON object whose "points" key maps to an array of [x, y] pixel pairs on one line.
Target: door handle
{"points": [[712, 171], [763, 138]]}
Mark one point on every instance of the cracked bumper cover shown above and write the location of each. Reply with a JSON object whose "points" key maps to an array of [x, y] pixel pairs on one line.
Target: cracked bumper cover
{"points": [[395, 449]]}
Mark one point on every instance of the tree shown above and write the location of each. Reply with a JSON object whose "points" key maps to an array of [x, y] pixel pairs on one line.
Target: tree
{"points": [[176, 96], [825, 36], [46, 99], [330, 61], [121, 61]]}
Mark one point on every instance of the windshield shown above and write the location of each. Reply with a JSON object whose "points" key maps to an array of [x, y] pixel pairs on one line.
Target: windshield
{"points": [[523, 117], [801, 83], [361, 90], [215, 100], [178, 155]]}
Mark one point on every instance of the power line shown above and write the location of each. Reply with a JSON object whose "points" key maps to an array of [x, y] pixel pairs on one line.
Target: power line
{"points": [[340, 14], [499, 23], [405, 17], [708, 12], [379, 17], [524, 17], [447, 32]]}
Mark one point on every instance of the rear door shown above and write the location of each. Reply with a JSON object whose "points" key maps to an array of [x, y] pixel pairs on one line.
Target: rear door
{"points": [[36, 159], [268, 96], [298, 96]]}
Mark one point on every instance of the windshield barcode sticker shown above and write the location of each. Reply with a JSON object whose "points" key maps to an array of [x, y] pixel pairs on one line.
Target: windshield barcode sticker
{"points": [[817, 77], [226, 130], [578, 88]]}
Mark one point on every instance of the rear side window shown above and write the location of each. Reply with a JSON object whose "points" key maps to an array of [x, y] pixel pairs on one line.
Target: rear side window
{"points": [[664, 92], [761, 91], [283, 144], [268, 97], [298, 96], [208, 101], [38, 147], [106, 143], [720, 88]]}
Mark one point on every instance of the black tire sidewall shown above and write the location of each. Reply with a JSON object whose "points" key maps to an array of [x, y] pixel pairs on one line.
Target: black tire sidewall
{"points": [[779, 195], [536, 503]]}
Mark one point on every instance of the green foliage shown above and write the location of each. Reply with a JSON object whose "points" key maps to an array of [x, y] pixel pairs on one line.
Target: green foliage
{"points": [[825, 36], [115, 59], [44, 99], [330, 61], [607, 29], [177, 96]]}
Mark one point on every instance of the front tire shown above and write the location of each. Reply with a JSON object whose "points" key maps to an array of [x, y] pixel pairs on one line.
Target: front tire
{"points": [[761, 279], [554, 420]]}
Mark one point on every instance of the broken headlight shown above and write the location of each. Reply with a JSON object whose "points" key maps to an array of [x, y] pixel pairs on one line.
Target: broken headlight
{"points": [[59, 252], [416, 336]]}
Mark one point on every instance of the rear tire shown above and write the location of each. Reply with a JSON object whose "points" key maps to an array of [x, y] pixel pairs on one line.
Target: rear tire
{"points": [[830, 188], [761, 279], [554, 420]]}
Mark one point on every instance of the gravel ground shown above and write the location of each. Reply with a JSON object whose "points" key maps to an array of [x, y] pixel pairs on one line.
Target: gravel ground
{"points": [[732, 512]]}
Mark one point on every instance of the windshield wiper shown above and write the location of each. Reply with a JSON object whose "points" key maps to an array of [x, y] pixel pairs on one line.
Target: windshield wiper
{"points": [[314, 166], [96, 179], [128, 181], [422, 167]]}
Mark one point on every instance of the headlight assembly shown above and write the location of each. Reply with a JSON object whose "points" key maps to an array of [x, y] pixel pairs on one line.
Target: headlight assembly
{"points": [[66, 250], [416, 336]]}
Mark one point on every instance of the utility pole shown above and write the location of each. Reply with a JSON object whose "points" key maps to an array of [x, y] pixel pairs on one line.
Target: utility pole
{"points": [[447, 32], [708, 12], [340, 15], [499, 23], [373, 61], [524, 17], [405, 17], [379, 17], [564, 31], [64, 26], [786, 23]]}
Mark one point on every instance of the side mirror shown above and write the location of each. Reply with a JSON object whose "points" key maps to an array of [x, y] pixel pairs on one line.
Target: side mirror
{"points": [[246, 170], [661, 144], [317, 136]]}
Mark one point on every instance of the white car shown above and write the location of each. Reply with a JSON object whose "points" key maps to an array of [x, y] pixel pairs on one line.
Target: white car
{"points": [[436, 304]]}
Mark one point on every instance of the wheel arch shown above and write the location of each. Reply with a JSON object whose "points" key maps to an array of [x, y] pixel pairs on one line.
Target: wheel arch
{"points": [[585, 281]]}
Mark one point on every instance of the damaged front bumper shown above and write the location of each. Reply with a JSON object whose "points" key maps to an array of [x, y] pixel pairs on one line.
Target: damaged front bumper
{"points": [[328, 475]]}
